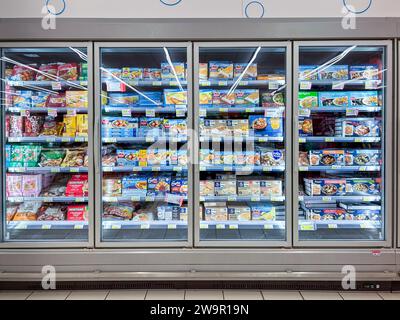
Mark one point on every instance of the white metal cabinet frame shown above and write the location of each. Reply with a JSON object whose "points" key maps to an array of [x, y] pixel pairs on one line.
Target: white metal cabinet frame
{"points": [[98, 142], [388, 139], [49, 243]]}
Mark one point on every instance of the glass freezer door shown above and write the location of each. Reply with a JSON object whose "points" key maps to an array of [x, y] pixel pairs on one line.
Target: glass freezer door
{"points": [[342, 164], [45, 130], [242, 125], [144, 126]]}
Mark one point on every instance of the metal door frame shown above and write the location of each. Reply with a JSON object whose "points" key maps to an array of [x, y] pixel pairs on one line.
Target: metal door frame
{"points": [[287, 45], [388, 203], [98, 143], [59, 244]]}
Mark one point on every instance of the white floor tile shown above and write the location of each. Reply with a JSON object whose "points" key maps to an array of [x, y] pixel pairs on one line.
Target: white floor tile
{"points": [[204, 295], [126, 295], [88, 295], [14, 295], [320, 295], [390, 295], [360, 295], [242, 295], [165, 295], [49, 295], [282, 295]]}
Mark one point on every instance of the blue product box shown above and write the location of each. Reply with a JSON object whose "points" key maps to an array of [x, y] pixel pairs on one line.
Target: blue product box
{"points": [[266, 126], [247, 97], [8, 154], [263, 212], [364, 72], [326, 214], [119, 123], [151, 127], [174, 97], [157, 157], [39, 100], [363, 214], [365, 157], [333, 99], [362, 186], [327, 157], [335, 72], [251, 73], [155, 96], [364, 98], [123, 99], [114, 71], [179, 185], [158, 185], [117, 133], [168, 74], [134, 185], [306, 72], [325, 187], [357, 127], [127, 157], [220, 70], [22, 99], [175, 127]]}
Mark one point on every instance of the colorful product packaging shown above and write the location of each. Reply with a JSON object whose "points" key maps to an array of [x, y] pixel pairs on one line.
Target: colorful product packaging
{"points": [[247, 97], [168, 74], [357, 127], [175, 97], [220, 70], [327, 157], [325, 187], [362, 186], [130, 73], [151, 99], [134, 185], [364, 99], [266, 126], [308, 99], [206, 97], [123, 99], [239, 213], [333, 99], [221, 97], [203, 71], [365, 157], [152, 74], [263, 212], [334, 72], [77, 213], [76, 99], [364, 72], [250, 74], [272, 99], [307, 72]]}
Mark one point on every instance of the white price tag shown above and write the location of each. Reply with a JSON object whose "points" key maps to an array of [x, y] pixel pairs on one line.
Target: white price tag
{"points": [[305, 85], [304, 112], [371, 84], [150, 113], [220, 226], [233, 226], [351, 112], [52, 112], [56, 86], [338, 85], [203, 112], [145, 226], [203, 226], [180, 113], [273, 85], [171, 226], [115, 86], [268, 226], [332, 226], [126, 112], [78, 226]]}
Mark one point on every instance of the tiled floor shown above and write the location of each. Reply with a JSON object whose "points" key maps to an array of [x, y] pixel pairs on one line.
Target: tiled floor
{"points": [[195, 295]]}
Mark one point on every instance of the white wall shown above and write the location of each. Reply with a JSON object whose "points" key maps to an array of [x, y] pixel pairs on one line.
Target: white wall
{"points": [[194, 8]]}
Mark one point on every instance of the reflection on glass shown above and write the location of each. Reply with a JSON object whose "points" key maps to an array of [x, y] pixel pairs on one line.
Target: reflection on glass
{"points": [[341, 133], [144, 134], [45, 121], [242, 156]]}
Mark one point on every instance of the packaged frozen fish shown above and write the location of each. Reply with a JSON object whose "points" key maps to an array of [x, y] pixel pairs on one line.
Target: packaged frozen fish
{"points": [[308, 72], [112, 186], [158, 185], [134, 185], [271, 157], [225, 187], [207, 188], [333, 99], [151, 127], [239, 213], [364, 72], [205, 97], [334, 72], [325, 187], [220, 70], [76, 99], [266, 126], [151, 73], [327, 157], [111, 71], [270, 188], [247, 187], [326, 214], [215, 213], [223, 97], [123, 99], [167, 71], [175, 97], [203, 71], [365, 157], [362, 186], [263, 212], [130, 73], [357, 127], [22, 99], [175, 127], [250, 74], [364, 99]]}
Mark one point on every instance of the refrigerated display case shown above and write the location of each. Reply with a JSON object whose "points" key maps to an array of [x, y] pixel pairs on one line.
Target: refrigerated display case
{"points": [[242, 159], [143, 121], [343, 166], [46, 137]]}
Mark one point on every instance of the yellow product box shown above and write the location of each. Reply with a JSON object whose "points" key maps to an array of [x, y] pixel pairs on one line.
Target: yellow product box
{"points": [[175, 97], [220, 70], [76, 99], [142, 157], [70, 126], [203, 71], [104, 98], [82, 125], [206, 96]]}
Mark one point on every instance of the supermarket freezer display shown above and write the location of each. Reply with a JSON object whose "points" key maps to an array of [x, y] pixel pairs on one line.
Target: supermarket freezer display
{"points": [[143, 124], [343, 150], [45, 151], [241, 120]]}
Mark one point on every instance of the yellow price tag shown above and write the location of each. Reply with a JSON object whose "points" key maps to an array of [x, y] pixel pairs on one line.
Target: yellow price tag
{"points": [[145, 226], [332, 226], [268, 226], [46, 226], [233, 226], [220, 226], [116, 226], [171, 226]]}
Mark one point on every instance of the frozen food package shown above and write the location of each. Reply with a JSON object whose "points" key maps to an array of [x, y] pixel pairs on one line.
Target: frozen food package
{"points": [[266, 126], [39, 99], [56, 189], [33, 126], [68, 71], [70, 125], [223, 97], [203, 71], [24, 155], [56, 100], [239, 213], [327, 157], [16, 126], [334, 72], [130, 73], [76, 99], [271, 157], [111, 71], [272, 99], [364, 99], [112, 186], [247, 97], [52, 127], [27, 211], [152, 73], [74, 158], [246, 187], [325, 187], [47, 179], [179, 185], [10, 211], [51, 213], [151, 127], [127, 157], [175, 127], [151, 99], [120, 211], [334, 99], [48, 72], [14, 185], [23, 73], [364, 72], [304, 159], [357, 127], [362, 186], [326, 214], [134, 185], [308, 72], [252, 158], [205, 97], [77, 186], [123, 99], [217, 213], [365, 157], [271, 188], [22, 99], [263, 212], [78, 212], [207, 188], [82, 125], [225, 187], [158, 185], [31, 185], [175, 97], [220, 70], [157, 156], [167, 71], [306, 127], [250, 74]]}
